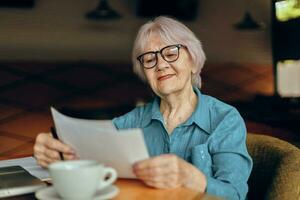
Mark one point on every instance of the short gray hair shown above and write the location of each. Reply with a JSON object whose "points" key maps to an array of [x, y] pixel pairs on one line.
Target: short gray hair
{"points": [[170, 31]]}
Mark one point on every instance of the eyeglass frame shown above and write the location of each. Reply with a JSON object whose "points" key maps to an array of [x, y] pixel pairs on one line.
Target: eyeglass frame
{"points": [[139, 58]]}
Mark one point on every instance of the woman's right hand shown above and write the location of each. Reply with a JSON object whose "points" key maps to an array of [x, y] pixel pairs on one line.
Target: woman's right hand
{"points": [[46, 150]]}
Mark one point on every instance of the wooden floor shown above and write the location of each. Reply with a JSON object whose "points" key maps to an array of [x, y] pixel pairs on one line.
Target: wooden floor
{"points": [[28, 89]]}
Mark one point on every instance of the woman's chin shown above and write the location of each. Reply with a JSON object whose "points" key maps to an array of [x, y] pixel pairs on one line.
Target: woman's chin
{"points": [[167, 90]]}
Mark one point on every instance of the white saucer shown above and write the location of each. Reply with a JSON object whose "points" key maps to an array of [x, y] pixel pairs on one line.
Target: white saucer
{"points": [[49, 193]]}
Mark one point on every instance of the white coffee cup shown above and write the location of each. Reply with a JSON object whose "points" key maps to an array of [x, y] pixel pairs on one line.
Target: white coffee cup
{"points": [[80, 179]]}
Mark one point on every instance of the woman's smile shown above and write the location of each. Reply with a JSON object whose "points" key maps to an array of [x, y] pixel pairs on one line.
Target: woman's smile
{"points": [[165, 77]]}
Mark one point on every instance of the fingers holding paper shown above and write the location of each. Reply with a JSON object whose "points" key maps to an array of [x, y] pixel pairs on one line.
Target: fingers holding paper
{"points": [[160, 172], [46, 150], [169, 171]]}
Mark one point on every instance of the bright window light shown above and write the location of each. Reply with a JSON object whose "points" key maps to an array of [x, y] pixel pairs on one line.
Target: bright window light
{"points": [[287, 9]]}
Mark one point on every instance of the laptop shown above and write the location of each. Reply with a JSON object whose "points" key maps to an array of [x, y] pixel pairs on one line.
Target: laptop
{"points": [[15, 180]]}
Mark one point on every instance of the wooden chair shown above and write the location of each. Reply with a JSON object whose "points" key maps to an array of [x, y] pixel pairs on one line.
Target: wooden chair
{"points": [[276, 169]]}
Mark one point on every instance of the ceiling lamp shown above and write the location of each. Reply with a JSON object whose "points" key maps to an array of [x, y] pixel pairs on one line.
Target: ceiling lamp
{"points": [[103, 12], [247, 22]]}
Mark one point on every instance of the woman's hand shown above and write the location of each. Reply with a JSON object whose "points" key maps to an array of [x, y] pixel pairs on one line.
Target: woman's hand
{"points": [[46, 150], [169, 171]]}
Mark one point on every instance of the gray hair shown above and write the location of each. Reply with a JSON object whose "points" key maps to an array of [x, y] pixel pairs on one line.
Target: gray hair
{"points": [[170, 31]]}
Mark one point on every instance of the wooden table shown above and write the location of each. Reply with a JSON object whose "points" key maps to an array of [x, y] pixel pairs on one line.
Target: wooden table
{"points": [[136, 190]]}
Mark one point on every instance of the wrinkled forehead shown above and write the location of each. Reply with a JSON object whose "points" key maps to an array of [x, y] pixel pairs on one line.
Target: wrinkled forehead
{"points": [[156, 40]]}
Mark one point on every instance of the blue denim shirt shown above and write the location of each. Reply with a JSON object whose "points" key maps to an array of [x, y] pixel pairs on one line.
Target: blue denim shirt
{"points": [[213, 139]]}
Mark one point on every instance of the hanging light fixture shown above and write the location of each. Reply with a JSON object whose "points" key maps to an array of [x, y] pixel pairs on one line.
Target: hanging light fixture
{"points": [[103, 12], [247, 22]]}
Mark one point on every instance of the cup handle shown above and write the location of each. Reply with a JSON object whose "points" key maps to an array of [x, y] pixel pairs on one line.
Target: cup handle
{"points": [[113, 176]]}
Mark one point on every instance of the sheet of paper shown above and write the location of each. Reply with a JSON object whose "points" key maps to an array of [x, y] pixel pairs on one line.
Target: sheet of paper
{"points": [[99, 140], [30, 164]]}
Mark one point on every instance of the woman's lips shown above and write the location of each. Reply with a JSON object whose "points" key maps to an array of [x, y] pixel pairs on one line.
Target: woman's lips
{"points": [[161, 78]]}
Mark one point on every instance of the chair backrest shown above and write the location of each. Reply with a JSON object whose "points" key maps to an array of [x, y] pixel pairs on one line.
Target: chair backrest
{"points": [[276, 169]]}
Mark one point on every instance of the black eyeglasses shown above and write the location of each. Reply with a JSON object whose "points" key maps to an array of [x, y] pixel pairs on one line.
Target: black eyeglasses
{"points": [[169, 53]]}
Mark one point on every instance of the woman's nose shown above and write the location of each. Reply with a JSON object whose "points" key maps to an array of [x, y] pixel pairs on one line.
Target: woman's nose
{"points": [[161, 63]]}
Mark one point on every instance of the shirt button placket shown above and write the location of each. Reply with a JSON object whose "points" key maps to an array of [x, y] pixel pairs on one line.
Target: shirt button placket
{"points": [[167, 144], [167, 147], [173, 141]]}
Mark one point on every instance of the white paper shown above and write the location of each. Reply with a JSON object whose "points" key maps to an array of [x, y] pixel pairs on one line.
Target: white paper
{"points": [[99, 140], [28, 163]]}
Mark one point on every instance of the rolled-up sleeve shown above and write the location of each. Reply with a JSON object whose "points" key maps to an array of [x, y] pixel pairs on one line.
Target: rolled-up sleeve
{"points": [[231, 163]]}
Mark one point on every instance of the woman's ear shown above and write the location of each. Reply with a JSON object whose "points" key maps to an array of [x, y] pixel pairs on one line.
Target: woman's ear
{"points": [[194, 69]]}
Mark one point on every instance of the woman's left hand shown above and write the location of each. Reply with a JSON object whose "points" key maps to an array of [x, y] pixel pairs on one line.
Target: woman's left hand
{"points": [[169, 171]]}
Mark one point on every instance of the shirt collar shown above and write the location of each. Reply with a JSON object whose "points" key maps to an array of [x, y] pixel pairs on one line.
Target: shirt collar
{"points": [[201, 115], [154, 113]]}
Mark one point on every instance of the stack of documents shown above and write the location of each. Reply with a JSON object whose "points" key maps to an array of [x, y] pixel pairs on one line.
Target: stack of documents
{"points": [[100, 140]]}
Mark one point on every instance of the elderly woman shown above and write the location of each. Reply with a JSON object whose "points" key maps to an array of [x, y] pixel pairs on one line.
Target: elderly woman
{"points": [[194, 140]]}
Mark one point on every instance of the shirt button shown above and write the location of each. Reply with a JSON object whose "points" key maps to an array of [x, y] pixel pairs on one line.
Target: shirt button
{"points": [[202, 154]]}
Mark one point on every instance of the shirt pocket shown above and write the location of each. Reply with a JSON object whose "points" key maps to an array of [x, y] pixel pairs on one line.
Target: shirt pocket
{"points": [[201, 158]]}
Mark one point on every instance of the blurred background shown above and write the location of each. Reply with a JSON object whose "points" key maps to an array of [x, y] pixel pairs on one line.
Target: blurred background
{"points": [[75, 55]]}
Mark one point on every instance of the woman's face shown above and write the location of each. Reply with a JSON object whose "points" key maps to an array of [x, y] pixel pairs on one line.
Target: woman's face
{"points": [[169, 77]]}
